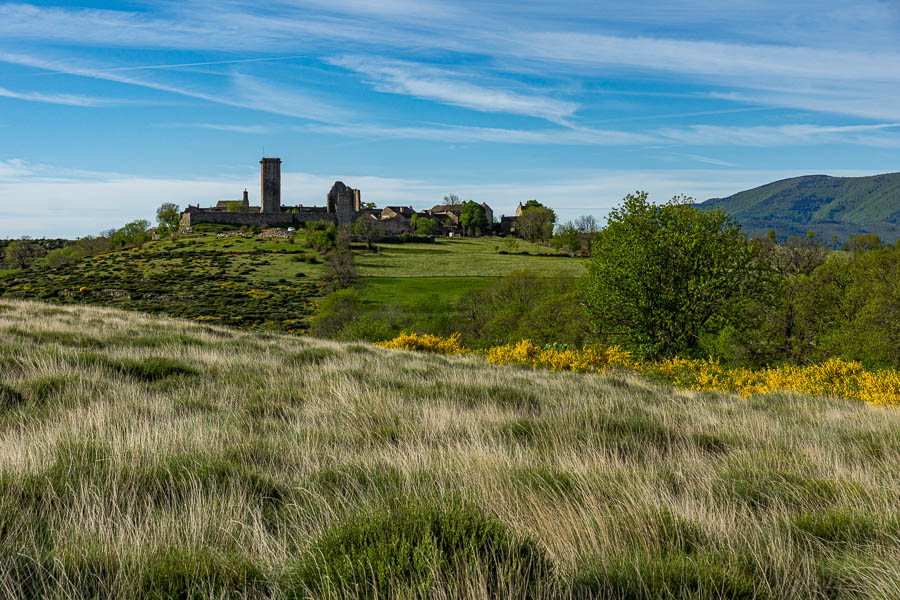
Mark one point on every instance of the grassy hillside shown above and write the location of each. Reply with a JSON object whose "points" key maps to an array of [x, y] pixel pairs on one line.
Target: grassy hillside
{"points": [[271, 283], [157, 458], [828, 202], [252, 282]]}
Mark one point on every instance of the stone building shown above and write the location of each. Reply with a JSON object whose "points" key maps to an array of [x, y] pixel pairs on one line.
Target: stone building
{"points": [[342, 205]]}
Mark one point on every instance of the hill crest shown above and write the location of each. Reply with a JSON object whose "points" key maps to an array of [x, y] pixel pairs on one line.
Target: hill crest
{"points": [[839, 206]]}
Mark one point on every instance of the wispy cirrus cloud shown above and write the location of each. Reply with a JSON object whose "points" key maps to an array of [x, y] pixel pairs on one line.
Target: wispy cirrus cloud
{"points": [[245, 91], [708, 160], [261, 94], [464, 134], [64, 99], [850, 78], [884, 135], [451, 87], [881, 135]]}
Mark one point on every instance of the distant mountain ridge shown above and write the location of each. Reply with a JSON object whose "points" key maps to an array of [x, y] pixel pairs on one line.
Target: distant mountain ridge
{"points": [[830, 206]]}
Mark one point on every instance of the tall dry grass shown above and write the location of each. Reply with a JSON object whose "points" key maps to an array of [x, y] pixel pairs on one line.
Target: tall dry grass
{"points": [[149, 457]]}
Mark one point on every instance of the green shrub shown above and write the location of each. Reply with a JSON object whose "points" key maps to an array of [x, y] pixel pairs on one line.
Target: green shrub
{"points": [[406, 550], [365, 328], [336, 310]]}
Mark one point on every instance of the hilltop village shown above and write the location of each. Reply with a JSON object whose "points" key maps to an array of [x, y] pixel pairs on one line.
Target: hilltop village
{"points": [[343, 206]]}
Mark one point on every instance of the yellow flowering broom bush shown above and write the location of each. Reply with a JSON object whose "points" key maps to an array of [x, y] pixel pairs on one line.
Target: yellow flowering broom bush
{"points": [[589, 358], [425, 343], [834, 377]]}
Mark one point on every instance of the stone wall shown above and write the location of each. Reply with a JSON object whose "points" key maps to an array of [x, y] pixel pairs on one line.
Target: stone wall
{"points": [[193, 216]]}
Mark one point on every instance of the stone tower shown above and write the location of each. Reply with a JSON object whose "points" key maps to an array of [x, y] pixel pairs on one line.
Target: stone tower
{"points": [[344, 202], [270, 177]]}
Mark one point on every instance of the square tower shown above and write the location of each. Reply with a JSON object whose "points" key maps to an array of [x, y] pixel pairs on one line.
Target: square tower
{"points": [[270, 182]]}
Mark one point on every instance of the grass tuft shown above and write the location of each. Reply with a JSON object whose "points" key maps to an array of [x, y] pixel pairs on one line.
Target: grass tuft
{"points": [[407, 550], [199, 573], [670, 576], [9, 397]]}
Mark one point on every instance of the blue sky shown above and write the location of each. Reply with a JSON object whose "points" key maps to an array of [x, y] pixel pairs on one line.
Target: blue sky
{"points": [[108, 109]]}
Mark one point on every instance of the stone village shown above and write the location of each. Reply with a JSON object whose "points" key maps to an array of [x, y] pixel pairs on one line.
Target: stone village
{"points": [[343, 207]]}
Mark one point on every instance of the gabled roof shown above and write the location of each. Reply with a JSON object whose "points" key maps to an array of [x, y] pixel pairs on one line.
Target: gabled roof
{"points": [[401, 210], [447, 208]]}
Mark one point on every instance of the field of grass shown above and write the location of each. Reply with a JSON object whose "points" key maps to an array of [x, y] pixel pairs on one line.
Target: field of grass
{"points": [[272, 283], [463, 257], [376, 292], [158, 458], [245, 282], [413, 273]]}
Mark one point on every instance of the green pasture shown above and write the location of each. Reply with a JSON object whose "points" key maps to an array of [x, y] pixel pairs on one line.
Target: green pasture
{"points": [[412, 274], [469, 257], [274, 283], [376, 292]]}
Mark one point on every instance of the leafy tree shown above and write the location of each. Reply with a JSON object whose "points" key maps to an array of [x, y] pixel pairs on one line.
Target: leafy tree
{"points": [[473, 218], [452, 200], [60, 256], [849, 306], [336, 310], [524, 305], [865, 242], [423, 225], [835, 242], [131, 234], [588, 227], [568, 236], [661, 276], [797, 256], [536, 222], [168, 218], [340, 270], [367, 229], [321, 237], [19, 253]]}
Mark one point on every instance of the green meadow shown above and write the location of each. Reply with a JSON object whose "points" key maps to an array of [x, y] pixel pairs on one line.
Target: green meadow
{"points": [[414, 273], [254, 282]]}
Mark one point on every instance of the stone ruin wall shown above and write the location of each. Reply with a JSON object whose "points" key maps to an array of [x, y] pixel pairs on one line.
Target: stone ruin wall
{"points": [[194, 216]]}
